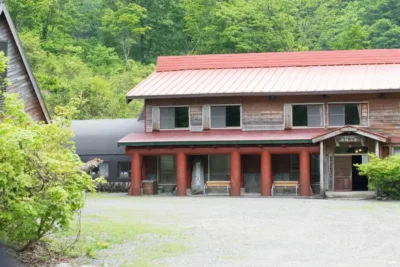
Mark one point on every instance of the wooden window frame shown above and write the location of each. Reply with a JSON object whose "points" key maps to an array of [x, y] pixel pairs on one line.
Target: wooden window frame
{"points": [[175, 106], [352, 102], [308, 104], [227, 128]]}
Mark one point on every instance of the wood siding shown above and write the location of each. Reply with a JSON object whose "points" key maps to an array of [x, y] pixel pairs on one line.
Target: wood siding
{"points": [[196, 118], [379, 113], [18, 75]]}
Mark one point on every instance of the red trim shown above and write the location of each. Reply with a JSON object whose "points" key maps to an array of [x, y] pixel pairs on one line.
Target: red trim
{"points": [[221, 150]]}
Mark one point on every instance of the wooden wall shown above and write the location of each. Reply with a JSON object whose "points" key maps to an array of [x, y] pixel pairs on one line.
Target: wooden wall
{"points": [[267, 113], [18, 76]]}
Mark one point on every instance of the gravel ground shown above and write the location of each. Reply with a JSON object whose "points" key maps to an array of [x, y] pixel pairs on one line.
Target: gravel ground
{"points": [[224, 231]]}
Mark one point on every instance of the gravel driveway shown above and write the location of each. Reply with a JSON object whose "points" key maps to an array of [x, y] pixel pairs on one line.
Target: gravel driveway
{"points": [[224, 231]]}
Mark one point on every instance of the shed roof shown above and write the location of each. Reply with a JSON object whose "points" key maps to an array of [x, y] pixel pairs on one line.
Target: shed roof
{"points": [[321, 72], [100, 137]]}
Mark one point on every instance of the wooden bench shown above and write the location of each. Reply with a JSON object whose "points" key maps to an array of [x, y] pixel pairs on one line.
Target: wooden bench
{"points": [[214, 184], [285, 184]]}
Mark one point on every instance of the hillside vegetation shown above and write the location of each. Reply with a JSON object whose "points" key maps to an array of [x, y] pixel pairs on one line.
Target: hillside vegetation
{"points": [[89, 53]]}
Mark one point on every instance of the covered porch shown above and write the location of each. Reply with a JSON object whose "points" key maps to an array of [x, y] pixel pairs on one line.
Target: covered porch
{"points": [[249, 169]]}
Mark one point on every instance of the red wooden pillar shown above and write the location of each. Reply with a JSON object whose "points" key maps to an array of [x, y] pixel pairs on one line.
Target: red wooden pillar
{"points": [[235, 173], [181, 174], [266, 173], [305, 174], [136, 173]]}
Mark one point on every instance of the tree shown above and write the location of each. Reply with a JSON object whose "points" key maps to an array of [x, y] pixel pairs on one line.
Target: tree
{"points": [[42, 185], [123, 24]]}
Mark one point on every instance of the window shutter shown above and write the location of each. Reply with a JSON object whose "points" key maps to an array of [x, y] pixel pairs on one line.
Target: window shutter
{"points": [[206, 117], [149, 118], [287, 110], [364, 114], [196, 118], [156, 118]]}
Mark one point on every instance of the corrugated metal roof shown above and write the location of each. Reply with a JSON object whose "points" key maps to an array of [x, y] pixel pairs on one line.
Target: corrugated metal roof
{"points": [[270, 81], [220, 137], [100, 137]]}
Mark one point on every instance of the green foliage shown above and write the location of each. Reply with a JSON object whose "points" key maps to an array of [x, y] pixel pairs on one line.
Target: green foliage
{"points": [[383, 175], [123, 25], [42, 186], [97, 50]]}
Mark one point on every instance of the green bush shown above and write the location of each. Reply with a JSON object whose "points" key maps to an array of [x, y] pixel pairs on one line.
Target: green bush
{"points": [[383, 176], [41, 183]]}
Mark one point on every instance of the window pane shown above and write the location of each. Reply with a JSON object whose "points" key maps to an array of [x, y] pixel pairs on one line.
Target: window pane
{"points": [[124, 169], [336, 115], [218, 118], [352, 112], [396, 150], [181, 117], [299, 115], [232, 116], [103, 169], [314, 115], [167, 118], [167, 170], [220, 168]]}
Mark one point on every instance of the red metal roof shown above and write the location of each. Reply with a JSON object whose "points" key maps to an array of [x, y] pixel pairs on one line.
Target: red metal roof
{"points": [[270, 81], [220, 137], [294, 73], [279, 59]]}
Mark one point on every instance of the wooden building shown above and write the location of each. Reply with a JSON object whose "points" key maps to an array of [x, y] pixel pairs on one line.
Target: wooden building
{"points": [[18, 70], [257, 119]]}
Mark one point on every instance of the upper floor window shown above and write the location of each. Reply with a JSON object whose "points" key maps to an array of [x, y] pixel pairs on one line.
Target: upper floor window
{"points": [[307, 115], [225, 116], [174, 117], [344, 114]]}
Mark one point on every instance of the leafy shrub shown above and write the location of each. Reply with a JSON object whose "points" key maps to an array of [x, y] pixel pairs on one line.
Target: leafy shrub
{"points": [[383, 175], [41, 183]]}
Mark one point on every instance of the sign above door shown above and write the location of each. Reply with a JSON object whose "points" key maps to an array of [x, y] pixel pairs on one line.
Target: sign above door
{"points": [[345, 139]]}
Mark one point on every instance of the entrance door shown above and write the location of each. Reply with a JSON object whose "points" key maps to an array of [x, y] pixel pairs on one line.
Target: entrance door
{"points": [[343, 172], [359, 182]]}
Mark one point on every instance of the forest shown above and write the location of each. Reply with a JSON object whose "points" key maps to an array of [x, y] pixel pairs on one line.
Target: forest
{"points": [[89, 53]]}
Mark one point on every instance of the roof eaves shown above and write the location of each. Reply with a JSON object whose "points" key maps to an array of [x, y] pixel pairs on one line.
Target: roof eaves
{"points": [[188, 143], [335, 92]]}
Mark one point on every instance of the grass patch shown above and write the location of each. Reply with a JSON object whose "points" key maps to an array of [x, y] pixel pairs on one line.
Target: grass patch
{"points": [[121, 233], [160, 251]]}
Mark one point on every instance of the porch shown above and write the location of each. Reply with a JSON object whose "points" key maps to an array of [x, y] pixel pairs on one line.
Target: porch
{"points": [[251, 170]]}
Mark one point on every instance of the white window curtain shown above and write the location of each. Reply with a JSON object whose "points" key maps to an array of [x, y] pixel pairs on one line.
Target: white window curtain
{"points": [[314, 115], [218, 117], [167, 118], [336, 115], [103, 169]]}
